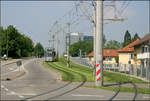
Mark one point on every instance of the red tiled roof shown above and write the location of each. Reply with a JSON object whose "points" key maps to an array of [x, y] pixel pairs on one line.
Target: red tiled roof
{"points": [[144, 39], [107, 52], [129, 48]]}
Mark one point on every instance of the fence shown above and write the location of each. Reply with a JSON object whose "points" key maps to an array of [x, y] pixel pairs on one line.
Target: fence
{"points": [[131, 69]]}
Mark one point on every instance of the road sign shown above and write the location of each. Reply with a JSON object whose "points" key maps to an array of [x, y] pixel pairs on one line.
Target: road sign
{"points": [[19, 63]]}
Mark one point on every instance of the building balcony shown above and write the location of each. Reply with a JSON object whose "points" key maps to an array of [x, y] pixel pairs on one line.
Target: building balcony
{"points": [[145, 55]]}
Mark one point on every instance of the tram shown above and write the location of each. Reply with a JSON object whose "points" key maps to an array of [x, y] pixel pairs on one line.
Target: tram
{"points": [[49, 55]]}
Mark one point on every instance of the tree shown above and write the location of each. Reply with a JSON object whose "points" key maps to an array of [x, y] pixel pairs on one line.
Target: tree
{"points": [[84, 46], [26, 47], [13, 39], [112, 44], [104, 40], [39, 50], [18, 44], [136, 36], [1, 34], [127, 38]]}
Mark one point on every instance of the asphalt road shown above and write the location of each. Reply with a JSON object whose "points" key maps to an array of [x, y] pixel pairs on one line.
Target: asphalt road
{"points": [[40, 83]]}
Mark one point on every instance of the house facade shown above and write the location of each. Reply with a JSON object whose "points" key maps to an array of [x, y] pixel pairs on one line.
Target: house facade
{"points": [[142, 51], [126, 54]]}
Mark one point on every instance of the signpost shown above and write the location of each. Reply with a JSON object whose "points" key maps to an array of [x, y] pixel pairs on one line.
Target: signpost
{"points": [[19, 64]]}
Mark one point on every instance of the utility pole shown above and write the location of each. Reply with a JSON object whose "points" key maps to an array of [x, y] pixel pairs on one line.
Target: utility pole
{"points": [[99, 43], [80, 53], [57, 43], [68, 45], [57, 39], [94, 37]]}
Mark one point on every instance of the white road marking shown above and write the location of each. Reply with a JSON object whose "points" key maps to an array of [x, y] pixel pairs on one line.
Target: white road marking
{"points": [[13, 93], [2, 86], [21, 96], [28, 94], [10, 69], [87, 95], [6, 89], [10, 72]]}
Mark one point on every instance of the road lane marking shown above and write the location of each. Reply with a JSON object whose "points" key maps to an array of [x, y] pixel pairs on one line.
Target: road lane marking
{"points": [[21, 96], [10, 69], [28, 94], [87, 95], [2, 86], [6, 89], [13, 93]]}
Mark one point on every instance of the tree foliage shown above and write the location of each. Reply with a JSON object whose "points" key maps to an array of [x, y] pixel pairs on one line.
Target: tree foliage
{"points": [[127, 39], [112, 44], [136, 36], [19, 45], [84, 46], [39, 50]]}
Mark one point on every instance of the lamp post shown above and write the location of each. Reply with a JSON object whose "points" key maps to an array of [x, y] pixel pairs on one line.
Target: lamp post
{"points": [[7, 43]]}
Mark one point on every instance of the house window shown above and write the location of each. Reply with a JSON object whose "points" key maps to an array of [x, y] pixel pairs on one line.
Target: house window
{"points": [[131, 56], [146, 48], [109, 59], [143, 49]]}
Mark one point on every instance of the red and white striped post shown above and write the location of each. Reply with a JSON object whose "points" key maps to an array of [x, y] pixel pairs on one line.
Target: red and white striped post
{"points": [[98, 72]]}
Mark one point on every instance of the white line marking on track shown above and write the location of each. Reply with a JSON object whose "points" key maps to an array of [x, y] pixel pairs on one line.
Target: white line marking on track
{"points": [[87, 95]]}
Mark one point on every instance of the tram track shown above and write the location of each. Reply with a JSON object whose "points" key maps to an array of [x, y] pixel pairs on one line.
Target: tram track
{"points": [[119, 87], [68, 91], [119, 84]]}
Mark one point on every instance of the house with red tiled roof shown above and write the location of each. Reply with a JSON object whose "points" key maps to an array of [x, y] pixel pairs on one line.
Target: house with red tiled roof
{"points": [[126, 54], [142, 51], [108, 54]]}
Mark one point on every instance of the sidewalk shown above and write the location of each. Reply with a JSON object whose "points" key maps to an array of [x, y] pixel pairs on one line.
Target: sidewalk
{"points": [[9, 61]]}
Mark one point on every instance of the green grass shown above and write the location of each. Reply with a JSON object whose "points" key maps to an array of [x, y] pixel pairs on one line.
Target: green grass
{"points": [[123, 89], [67, 74], [88, 73], [121, 78]]}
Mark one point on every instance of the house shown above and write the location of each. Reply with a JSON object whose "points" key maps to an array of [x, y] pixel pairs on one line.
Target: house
{"points": [[109, 56], [126, 54], [142, 50]]}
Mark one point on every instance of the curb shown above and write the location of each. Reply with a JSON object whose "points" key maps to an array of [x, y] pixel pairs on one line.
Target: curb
{"points": [[14, 78]]}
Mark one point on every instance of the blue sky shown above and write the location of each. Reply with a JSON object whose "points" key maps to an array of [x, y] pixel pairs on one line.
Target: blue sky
{"points": [[34, 18]]}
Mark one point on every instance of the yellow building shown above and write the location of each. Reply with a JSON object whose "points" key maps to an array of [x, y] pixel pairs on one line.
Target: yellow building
{"points": [[142, 51], [126, 54]]}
